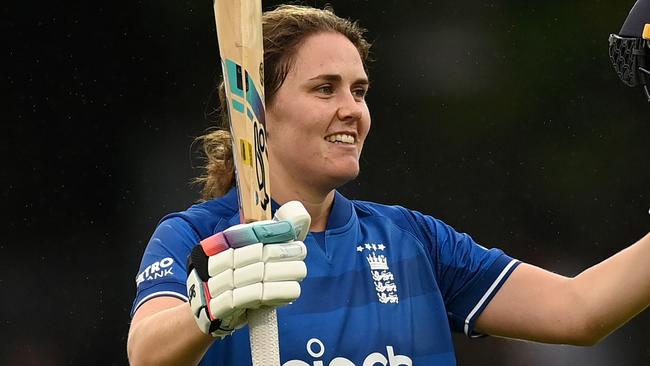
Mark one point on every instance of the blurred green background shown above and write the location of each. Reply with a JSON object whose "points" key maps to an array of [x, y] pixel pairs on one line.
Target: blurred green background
{"points": [[503, 118]]}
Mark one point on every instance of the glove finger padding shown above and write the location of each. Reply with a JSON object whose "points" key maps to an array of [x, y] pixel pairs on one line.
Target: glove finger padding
{"points": [[271, 279], [245, 267]]}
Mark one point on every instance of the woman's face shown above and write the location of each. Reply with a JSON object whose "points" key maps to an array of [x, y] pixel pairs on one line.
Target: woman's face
{"points": [[318, 120]]}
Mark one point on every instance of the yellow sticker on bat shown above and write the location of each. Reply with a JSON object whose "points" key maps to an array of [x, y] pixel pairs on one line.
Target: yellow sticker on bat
{"points": [[246, 149]]}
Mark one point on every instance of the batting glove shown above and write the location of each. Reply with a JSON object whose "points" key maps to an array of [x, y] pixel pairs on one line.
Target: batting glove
{"points": [[245, 267]]}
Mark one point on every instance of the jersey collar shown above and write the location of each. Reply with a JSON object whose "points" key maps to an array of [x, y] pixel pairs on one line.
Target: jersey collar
{"points": [[339, 217], [341, 212]]}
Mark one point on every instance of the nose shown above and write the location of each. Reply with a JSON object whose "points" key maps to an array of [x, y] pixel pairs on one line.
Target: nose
{"points": [[350, 108]]}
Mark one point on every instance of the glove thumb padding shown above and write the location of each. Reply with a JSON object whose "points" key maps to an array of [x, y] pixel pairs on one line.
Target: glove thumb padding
{"points": [[295, 212]]}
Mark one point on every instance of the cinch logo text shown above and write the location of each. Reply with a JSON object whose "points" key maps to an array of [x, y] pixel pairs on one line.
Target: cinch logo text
{"points": [[316, 349]]}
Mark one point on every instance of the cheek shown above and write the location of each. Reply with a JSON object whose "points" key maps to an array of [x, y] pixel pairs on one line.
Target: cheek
{"points": [[276, 123], [366, 123], [269, 120], [284, 116]]}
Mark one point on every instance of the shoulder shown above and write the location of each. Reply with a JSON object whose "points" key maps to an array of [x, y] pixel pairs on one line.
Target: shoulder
{"points": [[426, 227], [423, 226], [374, 209], [206, 216], [394, 212]]}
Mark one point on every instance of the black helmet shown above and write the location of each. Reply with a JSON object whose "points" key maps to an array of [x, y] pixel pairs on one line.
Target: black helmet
{"points": [[629, 51]]}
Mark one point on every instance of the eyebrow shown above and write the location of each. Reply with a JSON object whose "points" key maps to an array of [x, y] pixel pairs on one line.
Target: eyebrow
{"points": [[338, 78]]}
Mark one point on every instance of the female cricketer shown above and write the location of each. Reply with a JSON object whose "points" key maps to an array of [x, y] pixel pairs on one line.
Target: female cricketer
{"points": [[370, 283]]}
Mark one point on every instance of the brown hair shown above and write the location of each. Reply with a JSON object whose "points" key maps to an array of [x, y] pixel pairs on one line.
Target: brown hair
{"points": [[284, 28]]}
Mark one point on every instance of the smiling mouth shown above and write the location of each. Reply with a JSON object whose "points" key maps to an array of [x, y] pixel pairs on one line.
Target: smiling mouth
{"points": [[341, 139]]}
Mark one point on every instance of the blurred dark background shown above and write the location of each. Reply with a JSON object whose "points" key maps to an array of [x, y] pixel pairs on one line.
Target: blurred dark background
{"points": [[503, 118]]}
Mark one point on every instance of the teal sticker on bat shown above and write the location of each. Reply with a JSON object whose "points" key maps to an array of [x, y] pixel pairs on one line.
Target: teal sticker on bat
{"points": [[239, 107], [234, 75]]}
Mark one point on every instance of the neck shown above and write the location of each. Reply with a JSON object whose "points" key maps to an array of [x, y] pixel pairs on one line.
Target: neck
{"points": [[318, 203]]}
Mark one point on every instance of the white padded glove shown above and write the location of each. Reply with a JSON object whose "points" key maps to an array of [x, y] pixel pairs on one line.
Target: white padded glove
{"points": [[245, 267]]}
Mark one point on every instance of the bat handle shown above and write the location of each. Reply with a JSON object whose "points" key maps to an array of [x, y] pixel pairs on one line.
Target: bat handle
{"points": [[263, 325]]}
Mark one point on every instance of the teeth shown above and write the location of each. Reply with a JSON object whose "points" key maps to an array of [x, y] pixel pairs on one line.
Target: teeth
{"points": [[344, 138]]}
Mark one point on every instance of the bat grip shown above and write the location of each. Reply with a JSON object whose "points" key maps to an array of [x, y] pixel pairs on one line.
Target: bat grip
{"points": [[263, 325]]}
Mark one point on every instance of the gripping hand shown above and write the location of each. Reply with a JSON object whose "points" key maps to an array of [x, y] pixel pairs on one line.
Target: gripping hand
{"points": [[245, 267]]}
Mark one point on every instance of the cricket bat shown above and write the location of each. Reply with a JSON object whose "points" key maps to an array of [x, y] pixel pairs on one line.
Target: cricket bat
{"points": [[239, 32]]}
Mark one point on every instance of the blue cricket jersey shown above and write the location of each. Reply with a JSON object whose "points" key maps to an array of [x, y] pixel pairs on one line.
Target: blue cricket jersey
{"points": [[386, 285]]}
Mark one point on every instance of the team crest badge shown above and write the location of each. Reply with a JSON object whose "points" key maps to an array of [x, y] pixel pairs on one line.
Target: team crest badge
{"points": [[380, 273]]}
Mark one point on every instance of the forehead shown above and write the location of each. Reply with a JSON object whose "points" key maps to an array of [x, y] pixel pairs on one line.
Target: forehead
{"points": [[329, 52]]}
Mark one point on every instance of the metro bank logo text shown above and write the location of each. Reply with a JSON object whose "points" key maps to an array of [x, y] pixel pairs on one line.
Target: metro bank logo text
{"points": [[155, 270]]}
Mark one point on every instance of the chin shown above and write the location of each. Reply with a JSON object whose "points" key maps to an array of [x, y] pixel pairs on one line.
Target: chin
{"points": [[339, 180]]}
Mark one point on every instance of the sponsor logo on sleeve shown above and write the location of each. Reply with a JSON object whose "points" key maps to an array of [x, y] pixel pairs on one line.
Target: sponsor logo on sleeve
{"points": [[159, 269]]}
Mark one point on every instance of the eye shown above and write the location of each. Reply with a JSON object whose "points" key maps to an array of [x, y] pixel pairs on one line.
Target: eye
{"points": [[326, 89], [360, 92]]}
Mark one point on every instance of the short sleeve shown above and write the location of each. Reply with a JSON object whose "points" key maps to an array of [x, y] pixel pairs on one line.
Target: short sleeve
{"points": [[163, 270], [469, 275]]}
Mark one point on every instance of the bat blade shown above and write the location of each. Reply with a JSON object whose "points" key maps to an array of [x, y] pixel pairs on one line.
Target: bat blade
{"points": [[239, 32]]}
